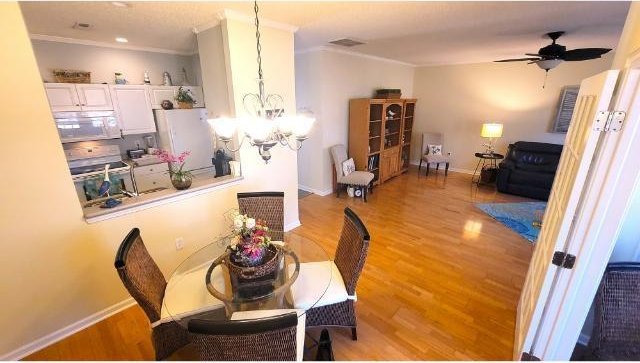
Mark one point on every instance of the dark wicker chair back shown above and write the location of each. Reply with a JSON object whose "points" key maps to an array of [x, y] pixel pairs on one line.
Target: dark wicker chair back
{"points": [[616, 329], [352, 250], [268, 206], [268, 339], [140, 274]]}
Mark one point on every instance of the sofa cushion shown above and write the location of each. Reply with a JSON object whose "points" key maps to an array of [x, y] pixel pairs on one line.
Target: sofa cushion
{"points": [[534, 179], [542, 168]]}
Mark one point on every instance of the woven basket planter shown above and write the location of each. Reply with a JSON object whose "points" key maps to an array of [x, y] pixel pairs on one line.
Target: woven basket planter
{"points": [[269, 265]]}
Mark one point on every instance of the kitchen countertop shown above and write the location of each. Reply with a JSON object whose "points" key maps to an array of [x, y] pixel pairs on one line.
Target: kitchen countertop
{"points": [[201, 184]]}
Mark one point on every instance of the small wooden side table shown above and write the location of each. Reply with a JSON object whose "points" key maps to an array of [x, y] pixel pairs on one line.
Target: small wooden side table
{"points": [[490, 159]]}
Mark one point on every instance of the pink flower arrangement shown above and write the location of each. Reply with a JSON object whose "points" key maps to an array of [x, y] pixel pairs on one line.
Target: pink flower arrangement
{"points": [[251, 239], [174, 161]]}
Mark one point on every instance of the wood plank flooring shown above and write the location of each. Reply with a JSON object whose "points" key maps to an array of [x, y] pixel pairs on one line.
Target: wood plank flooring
{"points": [[441, 281]]}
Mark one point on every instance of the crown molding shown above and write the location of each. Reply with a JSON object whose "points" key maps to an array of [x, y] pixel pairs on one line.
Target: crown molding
{"points": [[236, 15], [51, 38], [324, 48]]}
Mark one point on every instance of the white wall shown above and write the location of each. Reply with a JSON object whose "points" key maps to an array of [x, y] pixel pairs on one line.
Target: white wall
{"points": [[457, 99], [103, 62], [325, 81], [211, 49], [56, 268]]}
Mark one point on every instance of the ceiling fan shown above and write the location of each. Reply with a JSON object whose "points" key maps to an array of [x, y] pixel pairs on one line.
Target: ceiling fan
{"points": [[553, 54]]}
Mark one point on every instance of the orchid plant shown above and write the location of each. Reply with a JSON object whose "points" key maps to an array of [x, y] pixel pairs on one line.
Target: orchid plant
{"points": [[251, 239], [175, 162]]}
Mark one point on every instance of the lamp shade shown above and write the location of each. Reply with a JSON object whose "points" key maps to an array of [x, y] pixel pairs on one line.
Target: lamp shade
{"points": [[491, 130]]}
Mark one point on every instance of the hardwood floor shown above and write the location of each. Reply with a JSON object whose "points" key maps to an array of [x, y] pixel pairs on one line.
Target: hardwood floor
{"points": [[441, 281]]}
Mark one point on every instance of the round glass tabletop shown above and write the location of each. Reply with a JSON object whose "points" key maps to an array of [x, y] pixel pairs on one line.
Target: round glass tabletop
{"points": [[204, 287]]}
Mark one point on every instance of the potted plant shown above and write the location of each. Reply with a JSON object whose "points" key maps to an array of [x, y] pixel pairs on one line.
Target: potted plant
{"points": [[180, 178], [251, 253], [185, 98]]}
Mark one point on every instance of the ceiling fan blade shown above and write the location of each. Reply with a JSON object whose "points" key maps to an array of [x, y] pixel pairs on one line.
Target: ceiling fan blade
{"points": [[581, 54], [533, 54], [517, 60]]}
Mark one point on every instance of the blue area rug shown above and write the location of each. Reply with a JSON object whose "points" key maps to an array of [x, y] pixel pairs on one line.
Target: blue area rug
{"points": [[517, 216]]}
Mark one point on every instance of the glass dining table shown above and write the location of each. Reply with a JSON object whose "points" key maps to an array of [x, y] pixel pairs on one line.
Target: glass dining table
{"points": [[202, 287]]}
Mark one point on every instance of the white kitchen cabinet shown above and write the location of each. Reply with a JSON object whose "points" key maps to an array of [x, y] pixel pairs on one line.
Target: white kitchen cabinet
{"points": [[94, 97], [152, 176], [62, 97], [78, 97], [133, 107], [161, 93]]}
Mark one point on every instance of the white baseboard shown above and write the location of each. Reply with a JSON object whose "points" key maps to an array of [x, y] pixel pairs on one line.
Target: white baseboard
{"points": [[292, 225], [60, 334], [457, 170], [584, 339], [321, 193]]}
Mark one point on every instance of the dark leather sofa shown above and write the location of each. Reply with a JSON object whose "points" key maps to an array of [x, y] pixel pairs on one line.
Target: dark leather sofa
{"points": [[529, 169]]}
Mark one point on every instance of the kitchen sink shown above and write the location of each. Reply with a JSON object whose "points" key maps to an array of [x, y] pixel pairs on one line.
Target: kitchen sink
{"points": [[99, 201]]}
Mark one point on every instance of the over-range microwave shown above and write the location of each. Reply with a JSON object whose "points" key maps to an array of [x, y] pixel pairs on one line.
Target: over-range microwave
{"points": [[86, 125]]}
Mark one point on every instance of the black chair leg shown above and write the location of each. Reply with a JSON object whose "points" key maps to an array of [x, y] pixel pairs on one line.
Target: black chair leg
{"points": [[371, 188], [338, 190], [427, 173], [354, 334], [446, 169], [437, 167], [364, 193], [420, 166]]}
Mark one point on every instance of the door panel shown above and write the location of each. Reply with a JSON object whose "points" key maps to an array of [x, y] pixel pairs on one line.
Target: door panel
{"points": [[94, 97], [62, 97], [580, 145]]}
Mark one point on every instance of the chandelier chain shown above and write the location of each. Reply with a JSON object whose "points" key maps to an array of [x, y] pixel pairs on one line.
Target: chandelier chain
{"points": [[258, 46]]}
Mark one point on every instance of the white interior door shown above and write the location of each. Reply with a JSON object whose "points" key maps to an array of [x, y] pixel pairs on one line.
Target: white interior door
{"points": [[577, 156]]}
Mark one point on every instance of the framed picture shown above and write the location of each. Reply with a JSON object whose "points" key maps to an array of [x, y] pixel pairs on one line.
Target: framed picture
{"points": [[565, 110]]}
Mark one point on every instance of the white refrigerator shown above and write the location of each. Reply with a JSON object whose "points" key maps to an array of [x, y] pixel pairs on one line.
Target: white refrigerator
{"points": [[187, 129]]}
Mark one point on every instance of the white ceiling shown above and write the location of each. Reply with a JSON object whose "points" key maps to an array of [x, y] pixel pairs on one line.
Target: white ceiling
{"points": [[419, 33]]}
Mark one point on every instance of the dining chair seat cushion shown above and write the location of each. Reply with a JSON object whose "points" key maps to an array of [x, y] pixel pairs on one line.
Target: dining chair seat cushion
{"points": [[430, 158], [357, 178], [188, 294], [311, 283], [300, 329]]}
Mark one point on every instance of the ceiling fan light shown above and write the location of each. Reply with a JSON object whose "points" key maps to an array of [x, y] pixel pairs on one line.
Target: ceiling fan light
{"points": [[548, 64]]}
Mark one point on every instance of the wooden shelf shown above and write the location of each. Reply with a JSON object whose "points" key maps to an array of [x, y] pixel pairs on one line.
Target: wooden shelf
{"points": [[366, 135]]}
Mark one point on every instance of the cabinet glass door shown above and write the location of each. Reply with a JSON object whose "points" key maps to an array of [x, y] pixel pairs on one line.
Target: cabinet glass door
{"points": [[392, 125]]}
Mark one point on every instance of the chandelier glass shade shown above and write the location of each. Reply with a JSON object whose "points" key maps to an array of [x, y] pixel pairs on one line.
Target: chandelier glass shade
{"points": [[265, 124]]}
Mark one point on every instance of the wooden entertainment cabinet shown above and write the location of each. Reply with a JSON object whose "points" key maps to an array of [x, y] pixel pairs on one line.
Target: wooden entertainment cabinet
{"points": [[380, 135]]}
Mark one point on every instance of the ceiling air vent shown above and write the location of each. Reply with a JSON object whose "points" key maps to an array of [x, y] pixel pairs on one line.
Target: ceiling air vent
{"points": [[346, 42]]}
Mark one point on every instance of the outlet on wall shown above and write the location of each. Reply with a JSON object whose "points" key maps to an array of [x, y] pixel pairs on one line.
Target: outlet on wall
{"points": [[179, 243]]}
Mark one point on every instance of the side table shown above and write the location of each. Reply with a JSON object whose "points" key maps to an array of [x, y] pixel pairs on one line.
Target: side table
{"points": [[484, 159]]}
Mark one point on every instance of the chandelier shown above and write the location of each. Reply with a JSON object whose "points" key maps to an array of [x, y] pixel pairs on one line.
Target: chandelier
{"points": [[266, 125]]}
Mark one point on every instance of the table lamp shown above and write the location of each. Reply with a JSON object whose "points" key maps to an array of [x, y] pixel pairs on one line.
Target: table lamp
{"points": [[490, 130]]}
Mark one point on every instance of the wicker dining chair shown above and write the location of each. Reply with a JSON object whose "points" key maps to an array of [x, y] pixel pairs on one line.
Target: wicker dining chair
{"points": [[146, 283], [272, 338], [336, 307], [616, 328], [268, 206]]}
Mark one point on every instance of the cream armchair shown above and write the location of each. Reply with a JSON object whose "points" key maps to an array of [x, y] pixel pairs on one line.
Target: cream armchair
{"points": [[433, 138], [357, 178]]}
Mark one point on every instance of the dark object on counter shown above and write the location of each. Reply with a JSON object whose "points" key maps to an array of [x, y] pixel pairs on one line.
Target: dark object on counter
{"points": [[110, 203], [529, 169], [388, 93], [166, 105], [221, 162], [135, 154]]}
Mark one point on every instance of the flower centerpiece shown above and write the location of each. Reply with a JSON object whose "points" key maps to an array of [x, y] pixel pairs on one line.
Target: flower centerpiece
{"points": [[180, 178], [251, 240]]}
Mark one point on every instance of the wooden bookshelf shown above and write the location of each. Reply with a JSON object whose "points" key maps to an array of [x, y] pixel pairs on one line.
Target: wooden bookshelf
{"points": [[380, 135]]}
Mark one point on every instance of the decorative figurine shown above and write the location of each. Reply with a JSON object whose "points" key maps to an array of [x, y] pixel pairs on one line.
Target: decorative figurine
{"points": [[166, 105], [120, 78], [166, 79], [146, 78]]}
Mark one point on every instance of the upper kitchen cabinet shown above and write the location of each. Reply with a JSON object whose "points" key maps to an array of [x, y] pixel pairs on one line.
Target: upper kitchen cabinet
{"points": [[133, 106], [161, 93], [94, 97], [78, 97]]}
